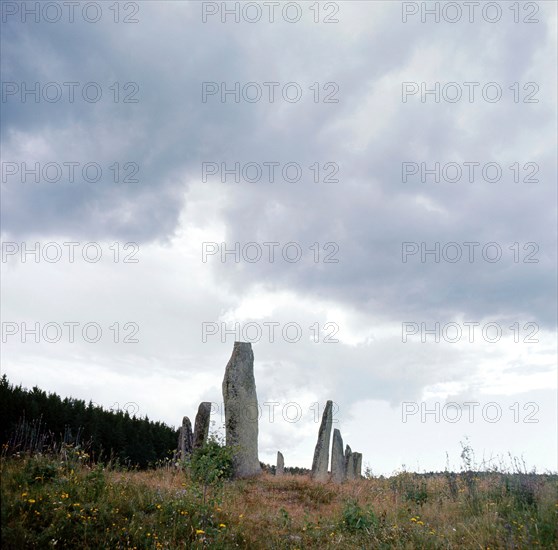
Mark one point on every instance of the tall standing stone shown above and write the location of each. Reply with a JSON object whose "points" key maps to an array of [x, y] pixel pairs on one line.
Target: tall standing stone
{"points": [[241, 410], [337, 458], [185, 439], [349, 463], [357, 461], [321, 452], [201, 425], [280, 469]]}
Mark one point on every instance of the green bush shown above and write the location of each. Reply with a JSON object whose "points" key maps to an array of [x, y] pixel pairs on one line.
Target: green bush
{"points": [[211, 463], [355, 518]]}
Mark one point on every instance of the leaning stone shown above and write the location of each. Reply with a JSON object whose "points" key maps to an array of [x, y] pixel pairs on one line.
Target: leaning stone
{"points": [[321, 452], [357, 464], [337, 458], [179, 444], [280, 468], [186, 438], [241, 410], [349, 463], [201, 426]]}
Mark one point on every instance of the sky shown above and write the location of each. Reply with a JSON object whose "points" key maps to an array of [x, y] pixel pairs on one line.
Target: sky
{"points": [[365, 190]]}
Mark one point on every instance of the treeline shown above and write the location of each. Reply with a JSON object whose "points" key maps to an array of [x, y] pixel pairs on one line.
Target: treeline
{"points": [[294, 470], [33, 420]]}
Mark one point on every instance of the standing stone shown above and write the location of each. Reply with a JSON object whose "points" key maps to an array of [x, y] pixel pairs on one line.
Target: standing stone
{"points": [[241, 410], [337, 458], [349, 463], [201, 426], [185, 439], [357, 462], [280, 469], [321, 452], [179, 444]]}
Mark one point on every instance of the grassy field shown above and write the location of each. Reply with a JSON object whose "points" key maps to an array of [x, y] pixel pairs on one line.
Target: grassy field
{"points": [[64, 502]]}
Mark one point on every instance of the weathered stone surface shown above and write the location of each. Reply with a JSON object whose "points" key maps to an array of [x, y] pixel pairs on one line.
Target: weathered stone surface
{"points": [[280, 469], [241, 410], [201, 425], [349, 463], [179, 444], [321, 452], [357, 464], [185, 439], [337, 458]]}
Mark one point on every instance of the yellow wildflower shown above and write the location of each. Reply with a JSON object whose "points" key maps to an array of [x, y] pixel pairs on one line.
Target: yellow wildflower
{"points": [[222, 525], [200, 532]]}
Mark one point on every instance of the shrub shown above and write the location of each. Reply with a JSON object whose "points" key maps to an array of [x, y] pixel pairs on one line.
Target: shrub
{"points": [[211, 463], [355, 518]]}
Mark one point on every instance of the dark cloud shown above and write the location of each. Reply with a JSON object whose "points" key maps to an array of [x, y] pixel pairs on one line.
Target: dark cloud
{"points": [[368, 213]]}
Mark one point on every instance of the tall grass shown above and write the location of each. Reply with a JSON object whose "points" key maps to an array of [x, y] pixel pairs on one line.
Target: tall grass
{"points": [[65, 500]]}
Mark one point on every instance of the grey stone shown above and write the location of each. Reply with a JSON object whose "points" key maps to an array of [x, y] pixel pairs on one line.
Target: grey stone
{"points": [[349, 463], [357, 464], [280, 469], [321, 452], [337, 458], [179, 444], [241, 410], [185, 439], [201, 425]]}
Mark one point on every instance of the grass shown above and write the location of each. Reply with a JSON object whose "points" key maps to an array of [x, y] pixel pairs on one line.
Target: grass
{"points": [[63, 501]]}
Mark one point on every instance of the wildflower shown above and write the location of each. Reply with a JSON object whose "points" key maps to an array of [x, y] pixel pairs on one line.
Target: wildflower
{"points": [[23, 495], [200, 532], [241, 516], [158, 506], [31, 501], [64, 495], [420, 522], [222, 525], [414, 519]]}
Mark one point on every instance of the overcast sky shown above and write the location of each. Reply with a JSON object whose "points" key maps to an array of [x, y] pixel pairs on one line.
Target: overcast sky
{"points": [[136, 122]]}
